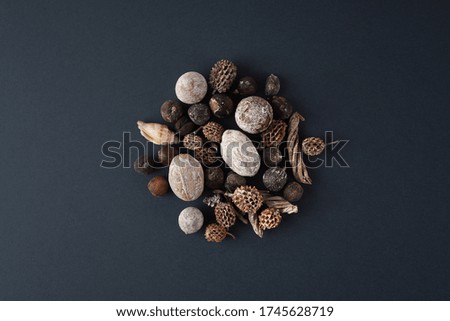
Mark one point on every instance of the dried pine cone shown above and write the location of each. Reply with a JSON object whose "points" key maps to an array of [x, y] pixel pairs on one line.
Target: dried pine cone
{"points": [[215, 233], [247, 198], [222, 75], [273, 136], [192, 141], [206, 155], [313, 146], [213, 131], [269, 218], [225, 214]]}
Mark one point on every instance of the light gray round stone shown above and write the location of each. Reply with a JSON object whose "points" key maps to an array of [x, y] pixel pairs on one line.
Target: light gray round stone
{"points": [[190, 220], [253, 114], [191, 87]]}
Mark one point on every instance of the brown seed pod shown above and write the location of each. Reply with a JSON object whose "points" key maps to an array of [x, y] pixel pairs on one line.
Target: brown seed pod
{"points": [[207, 155], [158, 186], [293, 192], [216, 233], [247, 199], [274, 179], [313, 146], [213, 131], [184, 126], [246, 86], [272, 85], [222, 75], [269, 218], [233, 181], [192, 141], [273, 136], [199, 114], [272, 156], [214, 177], [144, 165], [171, 111], [225, 214], [282, 109], [221, 105], [166, 154]]}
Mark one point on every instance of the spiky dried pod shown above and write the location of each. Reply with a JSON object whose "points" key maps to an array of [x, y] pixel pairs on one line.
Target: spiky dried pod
{"points": [[222, 75], [313, 146], [215, 233], [206, 155], [247, 199], [192, 141], [225, 214], [213, 131], [274, 134], [269, 218]]}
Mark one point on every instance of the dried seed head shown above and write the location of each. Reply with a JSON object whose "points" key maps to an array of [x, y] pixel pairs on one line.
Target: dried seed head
{"points": [[192, 141], [206, 155], [247, 199], [269, 218], [272, 85], [225, 214], [215, 233], [222, 75], [212, 201], [273, 136], [213, 131], [313, 146]]}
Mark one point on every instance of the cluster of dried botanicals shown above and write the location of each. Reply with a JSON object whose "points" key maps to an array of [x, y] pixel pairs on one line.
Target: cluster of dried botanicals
{"points": [[196, 149]]}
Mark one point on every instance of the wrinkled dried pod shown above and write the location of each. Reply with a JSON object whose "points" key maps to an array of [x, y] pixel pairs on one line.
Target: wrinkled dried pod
{"points": [[222, 75], [295, 156], [171, 111], [272, 85], [186, 177], [158, 134], [273, 136], [274, 179], [253, 114], [279, 202]]}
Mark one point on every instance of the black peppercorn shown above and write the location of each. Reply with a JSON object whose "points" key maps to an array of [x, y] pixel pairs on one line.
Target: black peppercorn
{"points": [[293, 192], [184, 126], [272, 85], [233, 181], [199, 114], [144, 165], [272, 156], [275, 178], [246, 86], [214, 177], [171, 111], [166, 154], [281, 107], [221, 105]]}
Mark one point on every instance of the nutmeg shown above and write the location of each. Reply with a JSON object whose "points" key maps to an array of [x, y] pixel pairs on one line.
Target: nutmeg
{"points": [[246, 86], [158, 186], [221, 105], [171, 111], [199, 114]]}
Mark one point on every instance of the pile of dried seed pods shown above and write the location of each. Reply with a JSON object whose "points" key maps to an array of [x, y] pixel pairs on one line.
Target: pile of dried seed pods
{"points": [[200, 152]]}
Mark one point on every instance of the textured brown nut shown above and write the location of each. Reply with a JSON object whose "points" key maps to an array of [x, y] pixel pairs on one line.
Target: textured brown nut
{"points": [[233, 181], [282, 109], [221, 105], [272, 156], [247, 198], [166, 154], [269, 218], [222, 75], [144, 165], [253, 114], [207, 155], [158, 186], [186, 177], [293, 192], [246, 86], [214, 177], [272, 85], [273, 136], [313, 146], [199, 114], [274, 179], [171, 111], [225, 214], [213, 131], [215, 233], [184, 126], [192, 141], [191, 87]]}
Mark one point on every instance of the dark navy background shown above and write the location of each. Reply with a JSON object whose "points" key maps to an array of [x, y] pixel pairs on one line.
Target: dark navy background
{"points": [[76, 74]]}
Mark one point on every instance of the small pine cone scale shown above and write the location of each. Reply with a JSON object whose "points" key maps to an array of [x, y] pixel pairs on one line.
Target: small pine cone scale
{"points": [[222, 75], [215, 233], [269, 218], [247, 199], [273, 136], [225, 214], [313, 146], [213, 131], [192, 141]]}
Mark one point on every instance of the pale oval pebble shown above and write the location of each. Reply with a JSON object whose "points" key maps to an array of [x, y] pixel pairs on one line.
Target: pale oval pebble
{"points": [[186, 178], [239, 153]]}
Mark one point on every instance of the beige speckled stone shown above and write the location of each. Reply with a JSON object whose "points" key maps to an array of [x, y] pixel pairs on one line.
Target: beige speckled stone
{"points": [[253, 114], [191, 87], [186, 177]]}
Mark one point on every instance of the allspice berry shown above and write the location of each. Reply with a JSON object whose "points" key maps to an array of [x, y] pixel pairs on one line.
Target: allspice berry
{"points": [[282, 109], [221, 105], [144, 165], [272, 85], [275, 178], [191, 87], [158, 186], [293, 192], [199, 114], [234, 181], [184, 126], [190, 220], [166, 154], [272, 156], [214, 177], [171, 111], [246, 86]]}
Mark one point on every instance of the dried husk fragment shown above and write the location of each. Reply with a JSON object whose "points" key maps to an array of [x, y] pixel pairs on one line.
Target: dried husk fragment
{"points": [[294, 150], [279, 202], [158, 134]]}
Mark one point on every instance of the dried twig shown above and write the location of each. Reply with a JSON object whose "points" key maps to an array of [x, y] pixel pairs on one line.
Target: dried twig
{"points": [[295, 155], [279, 203]]}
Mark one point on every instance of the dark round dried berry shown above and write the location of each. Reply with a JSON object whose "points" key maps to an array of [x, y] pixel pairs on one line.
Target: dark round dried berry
{"points": [[293, 192], [214, 177], [199, 114], [233, 181], [171, 111], [158, 186], [274, 179], [166, 154], [281, 107], [221, 105], [272, 156], [184, 126], [246, 86], [144, 165], [272, 85]]}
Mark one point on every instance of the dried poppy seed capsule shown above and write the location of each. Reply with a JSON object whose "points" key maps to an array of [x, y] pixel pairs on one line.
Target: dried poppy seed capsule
{"points": [[272, 156], [199, 114], [246, 86], [190, 220], [191, 87], [221, 105], [192, 141], [281, 107], [171, 111], [293, 192], [144, 165], [272, 85], [214, 177], [233, 181], [269, 218], [184, 126], [158, 186], [274, 179]]}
